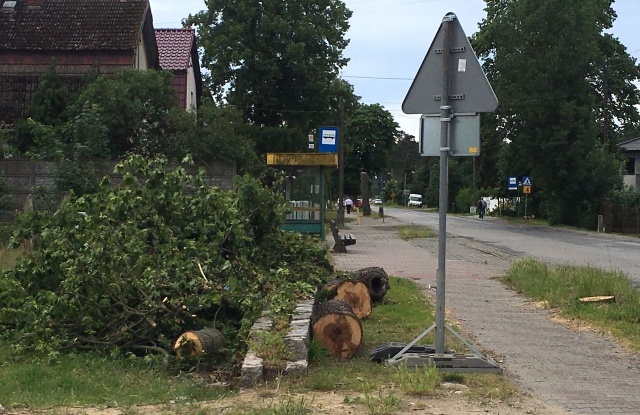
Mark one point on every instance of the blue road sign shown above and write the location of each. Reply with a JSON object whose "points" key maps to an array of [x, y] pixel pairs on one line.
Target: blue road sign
{"points": [[513, 183], [526, 181], [328, 140]]}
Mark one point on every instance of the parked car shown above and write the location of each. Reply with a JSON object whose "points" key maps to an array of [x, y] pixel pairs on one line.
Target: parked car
{"points": [[377, 201], [415, 200]]}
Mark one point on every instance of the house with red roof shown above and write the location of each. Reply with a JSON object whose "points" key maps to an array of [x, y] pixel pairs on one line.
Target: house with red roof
{"points": [[179, 54], [112, 34]]}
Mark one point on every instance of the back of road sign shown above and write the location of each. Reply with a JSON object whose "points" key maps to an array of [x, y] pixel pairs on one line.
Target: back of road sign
{"points": [[469, 90]]}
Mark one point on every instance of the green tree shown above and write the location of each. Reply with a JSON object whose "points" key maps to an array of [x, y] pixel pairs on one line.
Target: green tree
{"points": [[371, 135], [276, 61], [50, 100], [615, 95], [135, 106], [537, 54]]}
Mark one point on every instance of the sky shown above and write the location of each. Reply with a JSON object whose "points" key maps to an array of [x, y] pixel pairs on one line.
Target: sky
{"points": [[390, 38]]}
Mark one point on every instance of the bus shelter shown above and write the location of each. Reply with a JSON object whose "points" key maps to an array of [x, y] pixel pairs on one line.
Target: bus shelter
{"points": [[304, 188]]}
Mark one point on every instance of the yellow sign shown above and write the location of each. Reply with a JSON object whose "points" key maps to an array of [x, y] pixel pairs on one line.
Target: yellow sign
{"points": [[302, 159], [526, 189]]}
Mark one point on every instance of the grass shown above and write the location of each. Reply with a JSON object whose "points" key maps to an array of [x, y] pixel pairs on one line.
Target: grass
{"points": [[404, 313], [561, 287], [93, 380], [411, 232]]}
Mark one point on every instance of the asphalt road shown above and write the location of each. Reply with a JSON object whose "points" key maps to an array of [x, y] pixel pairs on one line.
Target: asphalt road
{"points": [[554, 245]]}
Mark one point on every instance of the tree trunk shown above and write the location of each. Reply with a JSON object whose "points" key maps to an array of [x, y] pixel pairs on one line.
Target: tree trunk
{"points": [[354, 293], [376, 280], [195, 343], [336, 328]]}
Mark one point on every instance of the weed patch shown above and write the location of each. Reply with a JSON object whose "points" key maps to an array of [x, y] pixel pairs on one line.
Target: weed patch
{"points": [[412, 232], [561, 287]]}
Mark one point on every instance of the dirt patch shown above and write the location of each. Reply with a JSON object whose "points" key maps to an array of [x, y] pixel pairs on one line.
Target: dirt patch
{"points": [[450, 400]]}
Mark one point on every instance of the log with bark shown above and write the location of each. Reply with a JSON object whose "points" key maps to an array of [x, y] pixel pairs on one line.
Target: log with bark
{"points": [[376, 280], [336, 328], [195, 343], [354, 293]]}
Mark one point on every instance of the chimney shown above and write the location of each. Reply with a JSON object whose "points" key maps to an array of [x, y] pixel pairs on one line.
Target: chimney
{"points": [[34, 3]]}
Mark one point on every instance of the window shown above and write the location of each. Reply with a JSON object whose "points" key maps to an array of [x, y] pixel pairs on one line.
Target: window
{"points": [[631, 166]]}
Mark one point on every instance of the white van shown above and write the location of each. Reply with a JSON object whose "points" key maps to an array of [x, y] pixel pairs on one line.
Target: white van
{"points": [[415, 200]]}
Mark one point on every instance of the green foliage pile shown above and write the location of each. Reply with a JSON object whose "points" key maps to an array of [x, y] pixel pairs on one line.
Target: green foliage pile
{"points": [[137, 263]]}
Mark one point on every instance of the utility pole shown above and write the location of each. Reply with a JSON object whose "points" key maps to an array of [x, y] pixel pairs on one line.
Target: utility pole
{"points": [[340, 216]]}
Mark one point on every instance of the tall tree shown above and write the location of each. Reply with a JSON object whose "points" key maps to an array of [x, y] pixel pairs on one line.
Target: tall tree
{"points": [[278, 61], [371, 135], [615, 95], [537, 54], [50, 100]]}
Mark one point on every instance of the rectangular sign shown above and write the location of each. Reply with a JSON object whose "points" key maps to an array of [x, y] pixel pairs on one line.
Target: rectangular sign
{"points": [[512, 182], [464, 135], [328, 140], [526, 189]]}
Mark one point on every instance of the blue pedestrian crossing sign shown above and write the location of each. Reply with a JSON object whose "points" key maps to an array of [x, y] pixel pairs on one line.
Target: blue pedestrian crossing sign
{"points": [[526, 181]]}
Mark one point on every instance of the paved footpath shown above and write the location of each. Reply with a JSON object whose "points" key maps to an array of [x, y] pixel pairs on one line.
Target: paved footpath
{"points": [[576, 370]]}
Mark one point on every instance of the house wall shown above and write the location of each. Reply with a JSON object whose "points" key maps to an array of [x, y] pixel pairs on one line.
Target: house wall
{"points": [[141, 55], [191, 95], [179, 84], [20, 72], [633, 180]]}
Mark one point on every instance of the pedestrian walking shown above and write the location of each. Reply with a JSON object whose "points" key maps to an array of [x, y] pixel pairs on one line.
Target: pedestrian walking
{"points": [[480, 208], [348, 203]]}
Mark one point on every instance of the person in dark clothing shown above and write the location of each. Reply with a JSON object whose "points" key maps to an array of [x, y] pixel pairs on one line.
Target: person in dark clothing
{"points": [[480, 208]]}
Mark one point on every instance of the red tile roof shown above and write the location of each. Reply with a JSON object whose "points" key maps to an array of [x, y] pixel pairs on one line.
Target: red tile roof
{"points": [[175, 47], [73, 24]]}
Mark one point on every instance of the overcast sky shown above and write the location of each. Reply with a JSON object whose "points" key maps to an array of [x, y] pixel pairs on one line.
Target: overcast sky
{"points": [[390, 38]]}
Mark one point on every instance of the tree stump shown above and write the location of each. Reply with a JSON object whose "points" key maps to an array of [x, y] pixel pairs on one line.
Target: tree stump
{"points": [[195, 343], [354, 293], [337, 328], [376, 280]]}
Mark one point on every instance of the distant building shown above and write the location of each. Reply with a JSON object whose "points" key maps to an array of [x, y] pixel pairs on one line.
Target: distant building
{"points": [[631, 150], [179, 54], [113, 34]]}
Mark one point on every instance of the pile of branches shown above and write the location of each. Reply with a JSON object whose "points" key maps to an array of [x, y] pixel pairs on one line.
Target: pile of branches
{"points": [[137, 263]]}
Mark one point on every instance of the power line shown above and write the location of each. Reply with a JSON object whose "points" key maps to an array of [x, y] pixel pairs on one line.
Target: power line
{"points": [[377, 77]]}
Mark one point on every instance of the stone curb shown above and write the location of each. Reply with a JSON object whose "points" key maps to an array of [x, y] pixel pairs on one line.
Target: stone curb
{"points": [[297, 340]]}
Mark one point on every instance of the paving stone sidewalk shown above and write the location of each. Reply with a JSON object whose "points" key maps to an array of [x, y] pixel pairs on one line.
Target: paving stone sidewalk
{"points": [[577, 370]]}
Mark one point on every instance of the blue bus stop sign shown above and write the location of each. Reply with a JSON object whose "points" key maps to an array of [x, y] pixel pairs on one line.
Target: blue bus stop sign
{"points": [[328, 140]]}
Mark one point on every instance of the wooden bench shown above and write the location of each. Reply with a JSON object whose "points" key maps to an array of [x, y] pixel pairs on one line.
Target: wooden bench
{"points": [[341, 242]]}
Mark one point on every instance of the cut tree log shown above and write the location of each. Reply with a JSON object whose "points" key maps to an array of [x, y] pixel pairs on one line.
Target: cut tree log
{"points": [[195, 343], [598, 299], [376, 280], [354, 293], [336, 328]]}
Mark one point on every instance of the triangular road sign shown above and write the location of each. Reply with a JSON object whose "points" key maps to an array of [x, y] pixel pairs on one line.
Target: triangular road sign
{"points": [[469, 90]]}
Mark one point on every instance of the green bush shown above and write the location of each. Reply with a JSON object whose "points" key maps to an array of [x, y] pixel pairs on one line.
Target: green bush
{"points": [[138, 262]]}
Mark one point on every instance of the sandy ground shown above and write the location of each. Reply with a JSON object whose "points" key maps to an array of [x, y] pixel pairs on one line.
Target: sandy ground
{"points": [[449, 400]]}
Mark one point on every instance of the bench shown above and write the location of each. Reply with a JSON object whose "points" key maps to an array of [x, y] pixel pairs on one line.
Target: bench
{"points": [[341, 242], [349, 239]]}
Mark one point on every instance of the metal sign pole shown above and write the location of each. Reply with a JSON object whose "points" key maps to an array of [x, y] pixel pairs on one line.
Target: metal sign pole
{"points": [[445, 118], [458, 78]]}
